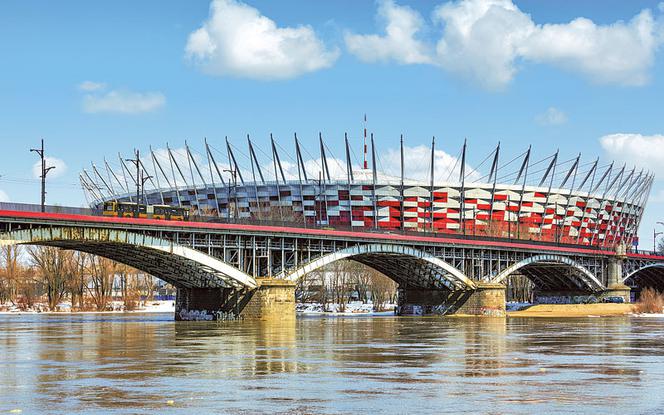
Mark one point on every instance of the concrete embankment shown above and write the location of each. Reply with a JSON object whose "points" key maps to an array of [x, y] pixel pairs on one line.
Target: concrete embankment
{"points": [[573, 310]]}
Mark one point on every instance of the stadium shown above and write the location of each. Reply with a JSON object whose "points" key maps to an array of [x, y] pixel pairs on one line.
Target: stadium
{"points": [[521, 197]]}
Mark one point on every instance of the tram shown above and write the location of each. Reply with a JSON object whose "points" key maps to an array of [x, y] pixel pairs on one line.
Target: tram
{"points": [[128, 210]]}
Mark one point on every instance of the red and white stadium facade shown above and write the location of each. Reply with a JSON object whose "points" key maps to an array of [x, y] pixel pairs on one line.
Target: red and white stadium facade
{"points": [[563, 201]]}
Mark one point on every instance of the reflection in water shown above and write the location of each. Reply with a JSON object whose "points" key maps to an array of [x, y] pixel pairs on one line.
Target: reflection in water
{"points": [[107, 363]]}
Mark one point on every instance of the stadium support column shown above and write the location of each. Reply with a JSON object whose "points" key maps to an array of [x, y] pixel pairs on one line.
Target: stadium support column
{"points": [[156, 176], [373, 187], [606, 174], [301, 172], [524, 171], [255, 166], [402, 218], [213, 163], [349, 180], [552, 166], [493, 174], [432, 174], [615, 285], [591, 175], [325, 173], [462, 198], [272, 300], [277, 168]]}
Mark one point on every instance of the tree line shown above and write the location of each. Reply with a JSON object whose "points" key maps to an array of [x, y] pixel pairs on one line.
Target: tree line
{"points": [[344, 281], [36, 277]]}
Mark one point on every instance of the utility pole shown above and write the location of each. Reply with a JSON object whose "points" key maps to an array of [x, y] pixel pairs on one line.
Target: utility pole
{"points": [[44, 172], [137, 162], [233, 174], [143, 180]]}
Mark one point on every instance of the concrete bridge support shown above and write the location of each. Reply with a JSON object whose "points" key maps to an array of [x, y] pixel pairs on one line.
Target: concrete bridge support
{"points": [[271, 300], [487, 299], [615, 285]]}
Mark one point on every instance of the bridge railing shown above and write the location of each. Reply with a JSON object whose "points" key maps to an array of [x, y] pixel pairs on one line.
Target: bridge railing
{"points": [[29, 207]]}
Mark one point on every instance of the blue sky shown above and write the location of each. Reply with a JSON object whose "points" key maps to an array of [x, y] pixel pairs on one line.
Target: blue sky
{"points": [[94, 81]]}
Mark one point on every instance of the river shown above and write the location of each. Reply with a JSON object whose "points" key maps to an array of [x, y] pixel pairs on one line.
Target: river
{"points": [[135, 363]]}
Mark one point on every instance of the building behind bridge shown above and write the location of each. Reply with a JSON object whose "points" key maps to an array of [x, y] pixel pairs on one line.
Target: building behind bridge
{"points": [[564, 201]]}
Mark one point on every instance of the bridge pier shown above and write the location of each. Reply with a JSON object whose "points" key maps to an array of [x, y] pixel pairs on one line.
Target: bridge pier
{"points": [[615, 286], [271, 300], [487, 299]]}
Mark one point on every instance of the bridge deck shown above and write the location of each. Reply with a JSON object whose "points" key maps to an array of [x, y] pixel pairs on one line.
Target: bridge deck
{"points": [[443, 239]]}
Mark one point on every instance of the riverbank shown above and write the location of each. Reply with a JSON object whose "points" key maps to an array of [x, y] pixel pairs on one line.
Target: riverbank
{"points": [[573, 310]]}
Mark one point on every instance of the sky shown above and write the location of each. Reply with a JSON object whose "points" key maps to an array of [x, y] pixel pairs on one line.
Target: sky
{"points": [[97, 79]]}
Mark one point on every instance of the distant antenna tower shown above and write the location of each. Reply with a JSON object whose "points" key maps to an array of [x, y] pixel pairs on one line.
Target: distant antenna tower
{"points": [[365, 142]]}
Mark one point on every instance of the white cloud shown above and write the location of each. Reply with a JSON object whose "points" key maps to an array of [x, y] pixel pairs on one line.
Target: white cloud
{"points": [[417, 164], [552, 116], [237, 40], [485, 41], [59, 170], [4, 197], [399, 42], [122, 101], [641, 150], [486, 38], [619, 53], [481, 39], [89, 86]]}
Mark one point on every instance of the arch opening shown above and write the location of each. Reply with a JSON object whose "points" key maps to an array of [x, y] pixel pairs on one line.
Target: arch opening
{"points": [[650, 276], [406, 266], [173, 263], [553, 273]]}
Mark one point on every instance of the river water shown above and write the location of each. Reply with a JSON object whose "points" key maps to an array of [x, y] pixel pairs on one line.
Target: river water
{"points": [[149, 364]]}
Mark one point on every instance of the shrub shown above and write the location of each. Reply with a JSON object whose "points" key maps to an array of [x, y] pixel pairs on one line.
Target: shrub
{"points": [[651, 301]]}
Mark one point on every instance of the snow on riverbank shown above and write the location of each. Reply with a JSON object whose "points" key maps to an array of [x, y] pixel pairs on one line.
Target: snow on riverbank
{"points": [[660, 315], [352, 309]]}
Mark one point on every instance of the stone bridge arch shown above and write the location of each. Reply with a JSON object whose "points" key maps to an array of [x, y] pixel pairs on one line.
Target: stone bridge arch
{"points": [[648, 276], [406, 265], [553, 273], [174, 263]]}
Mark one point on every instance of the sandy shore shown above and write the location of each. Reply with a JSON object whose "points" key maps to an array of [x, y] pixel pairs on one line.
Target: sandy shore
{"points": [[574, 310]]}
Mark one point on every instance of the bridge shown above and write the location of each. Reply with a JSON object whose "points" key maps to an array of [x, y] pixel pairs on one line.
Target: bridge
{"points": [[226, 270]]}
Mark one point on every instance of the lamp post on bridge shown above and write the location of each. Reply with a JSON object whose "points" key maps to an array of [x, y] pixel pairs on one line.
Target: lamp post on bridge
{"points": [[143, 180], [233, 174], [140, 182], [655, 234], [44, 172]]}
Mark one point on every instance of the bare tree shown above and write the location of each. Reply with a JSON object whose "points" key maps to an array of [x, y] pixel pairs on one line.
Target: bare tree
{"points": [[130, 286], [100, 287], [9, 273], [51, 270], [78, 264], [382, 288], [361, 278], [519, 288], [338, 276]]}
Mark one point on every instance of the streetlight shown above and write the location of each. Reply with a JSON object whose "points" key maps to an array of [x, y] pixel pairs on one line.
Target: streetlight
{"points": [[143, 180], [233, 174], [44, 172], [137, 162], [655, 234]]}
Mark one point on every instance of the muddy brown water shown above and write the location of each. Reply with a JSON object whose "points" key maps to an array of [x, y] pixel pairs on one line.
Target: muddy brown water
{"points": [[98, 364]]}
